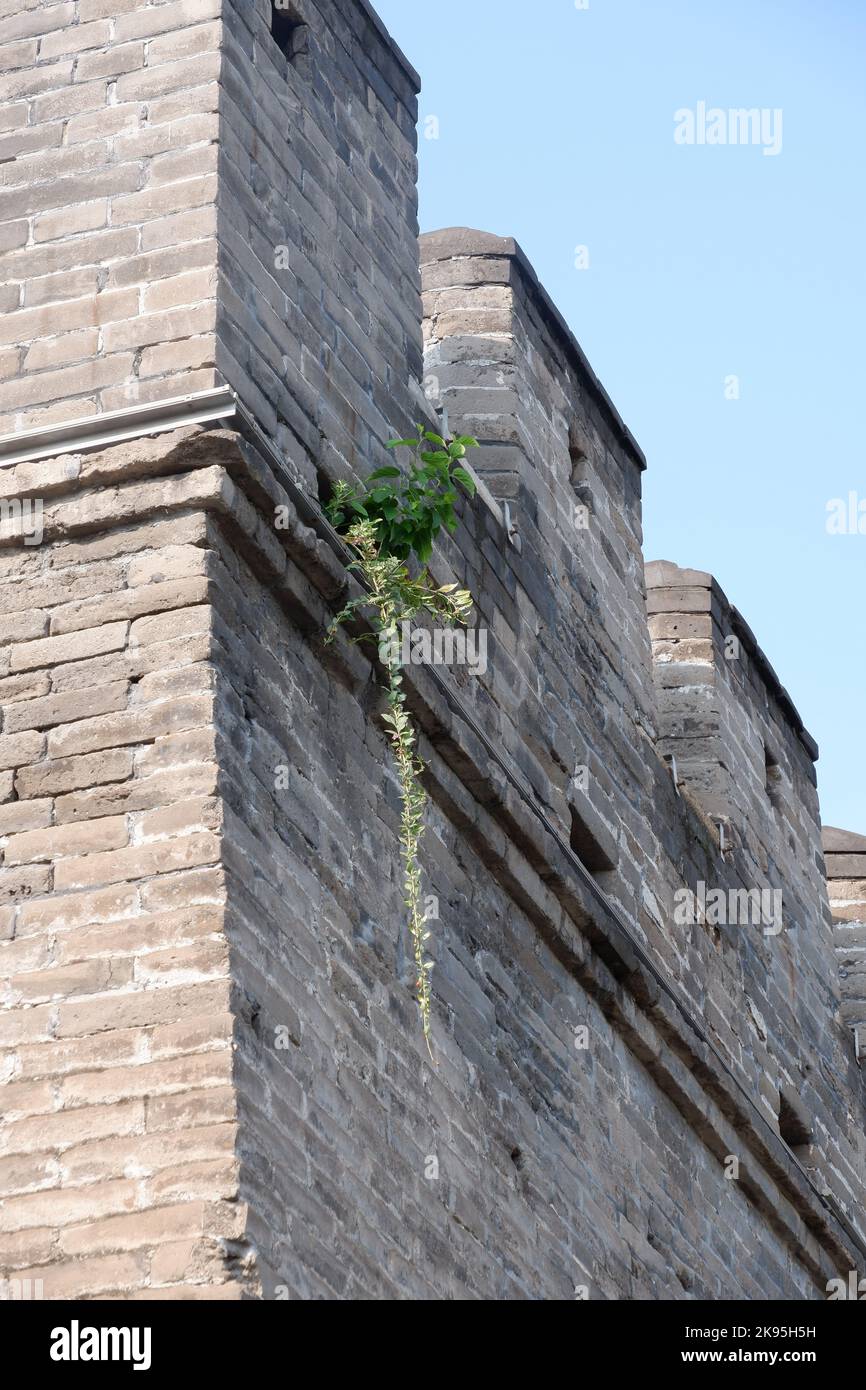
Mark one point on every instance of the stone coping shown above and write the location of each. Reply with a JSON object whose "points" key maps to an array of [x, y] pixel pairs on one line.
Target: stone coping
{"points": [[466, 241], [664, 574]]}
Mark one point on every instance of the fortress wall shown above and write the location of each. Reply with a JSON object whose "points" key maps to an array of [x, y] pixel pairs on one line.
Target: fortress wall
{"points": [[118, 1168], [107, 206], [319, 312], [845, 857], [220, 931]]}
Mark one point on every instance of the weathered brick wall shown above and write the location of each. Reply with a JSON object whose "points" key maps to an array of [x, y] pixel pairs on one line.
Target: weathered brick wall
{"points": [[557, 1167], [216, 1081], [122, 120], [845, 859], [119, 1114], [319, 313], [107, 205], [501, 361], [741, 754], [585, 691], [301, 1165]]}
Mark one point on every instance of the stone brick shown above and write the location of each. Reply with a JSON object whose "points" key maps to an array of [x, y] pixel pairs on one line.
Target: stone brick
{"points": [[64, 841], [141, 1008], [95, 870], [35, 80], [78, 188], [190, 288], [65, 709], [110, 637], [103, 1275], [175, 15], [104, 122], [81, 909], [130, 1232], [48, 321], [74, 40], [18, 749], [70, 381], [139, 725], [21, 627], [16, 816], [65, 982], [85, 217], [13, 235], [64, 1128], [63, 1208], [121, 58], [148, 1079], [59, 352], [177, 228], [18, 55], [156, 328], [134, 603], [66, 774], [10, 363]]}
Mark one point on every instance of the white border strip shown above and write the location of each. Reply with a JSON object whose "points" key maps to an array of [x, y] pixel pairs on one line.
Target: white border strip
{"points": [[97, 431]]}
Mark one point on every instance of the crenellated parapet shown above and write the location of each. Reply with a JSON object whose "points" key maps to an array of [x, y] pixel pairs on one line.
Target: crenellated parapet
{"points": [[647, 1082]]}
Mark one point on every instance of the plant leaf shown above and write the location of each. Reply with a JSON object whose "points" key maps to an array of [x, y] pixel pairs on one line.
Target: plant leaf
{"points": [[466, 479]]}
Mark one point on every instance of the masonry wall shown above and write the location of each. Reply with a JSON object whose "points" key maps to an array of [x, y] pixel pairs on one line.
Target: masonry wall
{"points": [[298, 1160], [119, 1113], [199, 887], [546, 1182], [340, 1122], [107, 205], [740, 751], [128, 281], [845, 858], [319, 313], [499, 359]]}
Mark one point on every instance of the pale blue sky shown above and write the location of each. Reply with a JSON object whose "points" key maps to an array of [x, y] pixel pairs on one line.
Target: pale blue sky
{"points": [[557, 127]]}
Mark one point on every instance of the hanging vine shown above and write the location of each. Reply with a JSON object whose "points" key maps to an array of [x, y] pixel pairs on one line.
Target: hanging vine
{"points": [[392, 518]]}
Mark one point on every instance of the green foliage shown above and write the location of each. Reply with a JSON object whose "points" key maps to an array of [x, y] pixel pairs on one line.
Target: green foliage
{"points": [[395, 516], [408, 510]]}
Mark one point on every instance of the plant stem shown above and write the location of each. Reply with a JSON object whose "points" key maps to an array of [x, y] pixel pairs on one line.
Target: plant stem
{"points": [[409, 769], [395, 598]]}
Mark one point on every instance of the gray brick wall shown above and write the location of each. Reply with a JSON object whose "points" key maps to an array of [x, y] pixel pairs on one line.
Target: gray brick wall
{"points": [[319, 318], [845, 858], [107, 205], [189, 775]]}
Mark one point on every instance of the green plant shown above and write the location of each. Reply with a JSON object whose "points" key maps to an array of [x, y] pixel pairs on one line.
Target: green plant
{"points": [[394, 516], [408, 510]]}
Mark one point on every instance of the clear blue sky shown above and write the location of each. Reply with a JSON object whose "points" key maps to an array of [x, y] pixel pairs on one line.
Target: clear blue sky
{"points": [[557, 127]]}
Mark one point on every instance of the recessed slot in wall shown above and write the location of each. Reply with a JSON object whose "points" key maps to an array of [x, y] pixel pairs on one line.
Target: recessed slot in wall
{"points": [[581, 474], [772, 779], [324, 487], [288, 29], [586, 841], [794, 1124]]}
